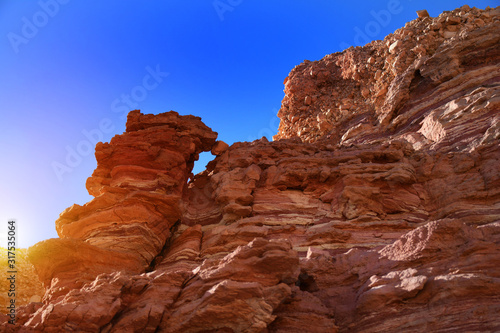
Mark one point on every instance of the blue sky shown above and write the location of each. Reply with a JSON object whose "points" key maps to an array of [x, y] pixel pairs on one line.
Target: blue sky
{"points": [[69, 71]]}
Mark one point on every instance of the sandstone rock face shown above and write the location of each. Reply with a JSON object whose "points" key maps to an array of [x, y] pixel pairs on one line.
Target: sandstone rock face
{"points": [[137, 186], [426, 83], [376, 209]]}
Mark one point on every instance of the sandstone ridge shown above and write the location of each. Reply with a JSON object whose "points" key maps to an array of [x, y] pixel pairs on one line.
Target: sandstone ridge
{"points": [[375, 209]]}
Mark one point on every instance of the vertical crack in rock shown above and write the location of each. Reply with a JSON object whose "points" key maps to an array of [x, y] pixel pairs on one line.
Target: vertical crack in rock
{"points": [[159, 257]]}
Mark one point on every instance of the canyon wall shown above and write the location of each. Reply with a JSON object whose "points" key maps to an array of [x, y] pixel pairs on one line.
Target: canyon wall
{"points": [[375, 209]]}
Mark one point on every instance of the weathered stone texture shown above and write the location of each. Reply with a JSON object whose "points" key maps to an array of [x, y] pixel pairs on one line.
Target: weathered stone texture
{"points": [[376, 208]]}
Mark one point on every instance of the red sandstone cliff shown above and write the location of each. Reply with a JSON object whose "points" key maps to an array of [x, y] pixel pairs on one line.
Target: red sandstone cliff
{"points": [[376, 208]]}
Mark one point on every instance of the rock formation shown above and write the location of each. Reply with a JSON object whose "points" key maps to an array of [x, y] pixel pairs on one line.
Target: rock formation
{"points": [[376, 208], [137, 186]]}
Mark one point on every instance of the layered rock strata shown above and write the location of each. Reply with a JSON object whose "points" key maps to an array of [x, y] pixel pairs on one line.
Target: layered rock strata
{"points": [[376, 209], [137, 186], [431, 78]]}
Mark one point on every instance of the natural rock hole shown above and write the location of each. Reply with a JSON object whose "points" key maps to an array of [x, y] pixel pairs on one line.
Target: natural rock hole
{"points": [[202, 162], [306, 283]]}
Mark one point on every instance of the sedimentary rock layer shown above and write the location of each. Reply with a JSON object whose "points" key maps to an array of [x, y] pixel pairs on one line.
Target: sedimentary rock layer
{"points": [[137, 185], [376, 208], [427, 83]]}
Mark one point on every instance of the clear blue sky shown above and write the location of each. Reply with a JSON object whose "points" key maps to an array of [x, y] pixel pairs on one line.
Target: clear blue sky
{"points": [[70, 69]]}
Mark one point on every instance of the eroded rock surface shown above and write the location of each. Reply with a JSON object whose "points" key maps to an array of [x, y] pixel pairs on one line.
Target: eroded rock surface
{"points": [[137, 185], [376, 209], [427, 83]]}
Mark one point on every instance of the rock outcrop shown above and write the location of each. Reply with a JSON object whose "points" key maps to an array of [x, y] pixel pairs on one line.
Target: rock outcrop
{"points": [[137, 186], [376, 208], [425, 83]]}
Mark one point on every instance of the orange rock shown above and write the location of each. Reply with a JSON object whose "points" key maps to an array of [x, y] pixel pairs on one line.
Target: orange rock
{"points": [[422, 13], [219, 148], [138, 185], [377, 207]]}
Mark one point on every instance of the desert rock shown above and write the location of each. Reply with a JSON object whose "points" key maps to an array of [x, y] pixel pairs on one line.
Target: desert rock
{"points": [[375, 209]]}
